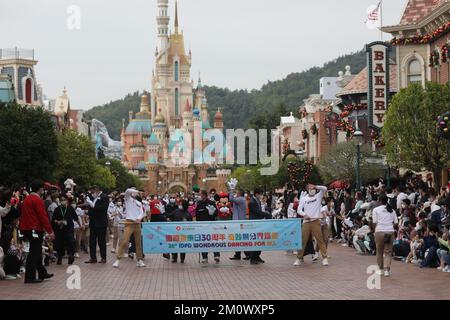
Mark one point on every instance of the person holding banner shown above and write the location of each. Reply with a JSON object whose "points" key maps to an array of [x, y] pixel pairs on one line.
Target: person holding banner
{"points": [[256, 213], [206, 211], [239, 208], [180, 214], [310, 210], [134, 213]]}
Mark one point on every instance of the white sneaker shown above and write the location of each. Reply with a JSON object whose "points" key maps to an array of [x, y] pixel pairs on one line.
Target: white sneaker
{"points": [[298, 262], [76, 255], [387, 273], [344, 245], [10, 277], [140, 264], [116, 264], [379, 272], [325, 262], [446, 269], [315, 257]]}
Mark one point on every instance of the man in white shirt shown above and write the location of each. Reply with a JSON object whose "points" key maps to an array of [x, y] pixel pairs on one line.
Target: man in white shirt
{"points": [[134, 213], [310, 210]]}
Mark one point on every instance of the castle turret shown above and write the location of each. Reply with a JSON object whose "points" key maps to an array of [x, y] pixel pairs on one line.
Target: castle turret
{"points": [[163, 24], [187, 116], [218, 120]]}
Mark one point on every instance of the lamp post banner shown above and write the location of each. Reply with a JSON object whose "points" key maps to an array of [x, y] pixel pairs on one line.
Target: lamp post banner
{"points": [[221, 236]]}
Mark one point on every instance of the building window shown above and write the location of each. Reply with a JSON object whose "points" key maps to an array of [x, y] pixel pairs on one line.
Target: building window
{"points": [[177, 100], [414, 71], [176, 71], [28, 88]]}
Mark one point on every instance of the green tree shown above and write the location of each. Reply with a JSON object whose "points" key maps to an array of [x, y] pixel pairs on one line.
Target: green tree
{"points": [[409, 132], [340, 164], [76, 159], [103, 178], [27, 145], [124, 179]]}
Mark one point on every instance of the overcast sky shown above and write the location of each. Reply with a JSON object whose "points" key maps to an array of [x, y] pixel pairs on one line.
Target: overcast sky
{"points": [[235, 43]]}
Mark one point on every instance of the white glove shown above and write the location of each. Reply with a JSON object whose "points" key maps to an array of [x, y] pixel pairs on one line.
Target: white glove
{"points": [[224, 209], [232, 183], [211, 209], [160, 207]]}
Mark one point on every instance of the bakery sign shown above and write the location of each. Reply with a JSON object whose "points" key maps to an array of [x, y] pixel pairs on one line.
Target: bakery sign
{"points": [[378, 89]]}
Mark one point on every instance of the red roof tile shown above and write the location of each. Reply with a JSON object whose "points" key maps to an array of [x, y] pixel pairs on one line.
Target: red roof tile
{"points": [[416, 10], [359, 84]]}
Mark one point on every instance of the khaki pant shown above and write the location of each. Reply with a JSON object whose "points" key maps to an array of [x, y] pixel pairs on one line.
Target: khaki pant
{"points": [[131, 229], [116, 237], [325, 233], [384, 250], [312, 228]]}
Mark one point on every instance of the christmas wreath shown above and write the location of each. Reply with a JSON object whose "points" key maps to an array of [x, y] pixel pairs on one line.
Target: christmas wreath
{"points": [[444, 53], [434, 58]]}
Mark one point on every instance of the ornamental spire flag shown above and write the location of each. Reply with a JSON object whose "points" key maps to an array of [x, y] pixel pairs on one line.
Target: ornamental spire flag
{"points": [[373, 20]]}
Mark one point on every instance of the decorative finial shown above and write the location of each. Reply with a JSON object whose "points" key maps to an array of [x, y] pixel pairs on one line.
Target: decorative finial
{"points": [[199, 80], [176, 17]]}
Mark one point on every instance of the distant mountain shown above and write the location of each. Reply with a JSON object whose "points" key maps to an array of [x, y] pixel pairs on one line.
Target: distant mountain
{"points": [[240, 106]]}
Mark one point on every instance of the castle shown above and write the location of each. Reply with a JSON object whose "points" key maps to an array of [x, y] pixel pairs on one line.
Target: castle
{"points": [[149, 145]]}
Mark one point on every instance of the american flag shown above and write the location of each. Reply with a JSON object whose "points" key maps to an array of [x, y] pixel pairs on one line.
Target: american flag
{"points": [[373, 20], [374, 14]]}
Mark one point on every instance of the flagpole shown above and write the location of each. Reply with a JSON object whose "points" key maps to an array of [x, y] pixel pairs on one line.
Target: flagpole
{"points": [[381, 19]]}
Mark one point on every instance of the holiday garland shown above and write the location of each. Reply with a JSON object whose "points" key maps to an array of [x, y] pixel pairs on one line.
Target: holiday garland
{"points": [[376, 138], [444, 53], [443, 126], [304, 134], [434, 58], [299, 175], [422, 39]]}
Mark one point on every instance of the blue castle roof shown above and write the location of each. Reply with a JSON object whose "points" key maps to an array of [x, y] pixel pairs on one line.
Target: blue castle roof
{"points": [[139, 126], [153, 140]]}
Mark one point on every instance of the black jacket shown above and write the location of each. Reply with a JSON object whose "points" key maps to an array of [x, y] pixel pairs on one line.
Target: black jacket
{"points": [[98, 215], [202, 213], [70, 216], [179, 215], [255, 212]]}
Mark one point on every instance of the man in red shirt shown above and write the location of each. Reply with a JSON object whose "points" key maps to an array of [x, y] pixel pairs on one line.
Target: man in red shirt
{"points": [[33, 222]]}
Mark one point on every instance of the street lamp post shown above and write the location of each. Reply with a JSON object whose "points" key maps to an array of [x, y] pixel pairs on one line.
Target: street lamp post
{"points": [[358, 136]]}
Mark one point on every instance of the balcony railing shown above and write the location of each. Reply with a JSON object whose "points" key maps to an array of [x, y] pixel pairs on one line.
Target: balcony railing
{"points": [[16, 53]]}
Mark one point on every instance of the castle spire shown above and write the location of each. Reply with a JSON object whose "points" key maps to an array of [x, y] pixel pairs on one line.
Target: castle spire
{"points": [[176, 17]]}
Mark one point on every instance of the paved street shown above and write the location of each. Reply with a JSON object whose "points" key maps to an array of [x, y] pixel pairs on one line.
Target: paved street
{"points": [[345, 278]]}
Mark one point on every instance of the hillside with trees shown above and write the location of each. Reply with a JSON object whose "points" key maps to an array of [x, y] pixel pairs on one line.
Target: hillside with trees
{"points": [[243, 108]]}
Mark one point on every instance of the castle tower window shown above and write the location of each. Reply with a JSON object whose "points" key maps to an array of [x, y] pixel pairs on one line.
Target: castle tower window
{"points": [[176, 71], [414, 71], [177, 100]]}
